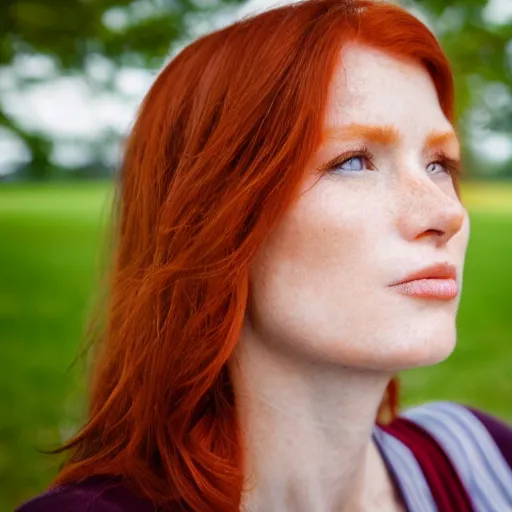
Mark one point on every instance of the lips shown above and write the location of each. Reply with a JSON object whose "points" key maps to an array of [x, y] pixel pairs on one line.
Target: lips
{"points": [[436, 271], [437, 282], [438, 289]]}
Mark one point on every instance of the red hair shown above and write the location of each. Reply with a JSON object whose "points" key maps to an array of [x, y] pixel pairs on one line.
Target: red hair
{"points": [[214, 160]]}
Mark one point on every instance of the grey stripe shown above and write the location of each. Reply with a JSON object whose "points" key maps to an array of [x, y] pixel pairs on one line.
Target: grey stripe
{"points": [[485, 445], [415, 489], [461, 445], [454, 446], [481, 466]]}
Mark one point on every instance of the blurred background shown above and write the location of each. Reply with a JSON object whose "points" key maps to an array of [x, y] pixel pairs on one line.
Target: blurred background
{"points": [[72, 73]]}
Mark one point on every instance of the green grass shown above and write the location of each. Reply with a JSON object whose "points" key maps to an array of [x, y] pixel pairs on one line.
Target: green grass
{"points": [[49, 252], [50, 235]]}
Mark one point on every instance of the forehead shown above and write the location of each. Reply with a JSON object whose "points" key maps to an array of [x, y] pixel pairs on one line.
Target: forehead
{"points": [[372, 87]]}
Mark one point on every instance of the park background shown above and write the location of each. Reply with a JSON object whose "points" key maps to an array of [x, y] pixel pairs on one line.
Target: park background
{"points": [[72, 74]]}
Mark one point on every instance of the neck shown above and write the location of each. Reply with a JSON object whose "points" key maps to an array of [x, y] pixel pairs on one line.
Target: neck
{"points": [[307, 430]]}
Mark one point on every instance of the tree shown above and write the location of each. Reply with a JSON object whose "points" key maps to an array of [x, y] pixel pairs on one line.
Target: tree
{"points": [[70, 32], [480, 50], [142, 33]]}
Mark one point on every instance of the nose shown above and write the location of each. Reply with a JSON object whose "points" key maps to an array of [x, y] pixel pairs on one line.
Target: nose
{"points": [[429, 211]]}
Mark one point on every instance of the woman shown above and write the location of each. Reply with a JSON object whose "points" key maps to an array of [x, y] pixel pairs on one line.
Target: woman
{"points": [[290, 237]]}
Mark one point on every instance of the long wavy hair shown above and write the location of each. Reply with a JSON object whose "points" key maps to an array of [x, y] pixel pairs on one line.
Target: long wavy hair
{"points": [[215, 158]]}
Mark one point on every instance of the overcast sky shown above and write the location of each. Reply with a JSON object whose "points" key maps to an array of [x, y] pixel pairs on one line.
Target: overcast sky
{"points": [[69, 109]]}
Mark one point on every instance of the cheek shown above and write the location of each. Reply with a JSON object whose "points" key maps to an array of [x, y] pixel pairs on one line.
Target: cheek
{"points": [[313, 276], [323, 240]]}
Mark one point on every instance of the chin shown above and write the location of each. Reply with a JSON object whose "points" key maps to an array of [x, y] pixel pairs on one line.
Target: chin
{"points": [[419, 350], [389, 355], [422, 336], [428, 355], [396, 349]]}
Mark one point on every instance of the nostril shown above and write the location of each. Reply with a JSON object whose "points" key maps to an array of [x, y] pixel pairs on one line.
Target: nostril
{"points": [[430, 232]]}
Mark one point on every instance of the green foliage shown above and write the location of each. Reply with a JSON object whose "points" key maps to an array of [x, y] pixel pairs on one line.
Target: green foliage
{"points": [[138, 33], [141, 33], [480, 53], [70, 31]]}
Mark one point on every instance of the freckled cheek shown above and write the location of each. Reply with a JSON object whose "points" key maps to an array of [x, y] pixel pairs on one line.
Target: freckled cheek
{"points": [[327, 243]]}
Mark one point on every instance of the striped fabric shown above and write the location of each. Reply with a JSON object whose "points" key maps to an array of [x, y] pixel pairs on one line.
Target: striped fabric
{"points": [[477, 460], [407, 472]]}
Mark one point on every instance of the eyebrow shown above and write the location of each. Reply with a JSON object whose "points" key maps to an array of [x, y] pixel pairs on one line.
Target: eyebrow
{"points": [[385, 134], [439, 140], [389, 135]]}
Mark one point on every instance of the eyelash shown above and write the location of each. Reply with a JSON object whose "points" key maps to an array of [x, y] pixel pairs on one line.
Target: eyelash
{"points": [[363, 152], [451, 165]]}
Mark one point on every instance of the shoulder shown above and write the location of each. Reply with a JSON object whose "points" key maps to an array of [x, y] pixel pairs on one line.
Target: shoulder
{"points": [[97, 494], [500, 431], [460, 449], [465, 423], [477, 444]]}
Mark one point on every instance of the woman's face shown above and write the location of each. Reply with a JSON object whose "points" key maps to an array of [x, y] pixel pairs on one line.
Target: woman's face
{"points": [[320, 285]]}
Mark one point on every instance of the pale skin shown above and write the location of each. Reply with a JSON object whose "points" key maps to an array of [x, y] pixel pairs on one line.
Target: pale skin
{"points": [[324, 332]]}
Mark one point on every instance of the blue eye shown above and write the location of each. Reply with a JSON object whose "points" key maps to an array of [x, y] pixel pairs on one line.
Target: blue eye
{"points": [[440, 168], [355, 163]]}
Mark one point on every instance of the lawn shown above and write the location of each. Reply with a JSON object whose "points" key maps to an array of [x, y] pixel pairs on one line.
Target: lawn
{"points": [[50, 236]]}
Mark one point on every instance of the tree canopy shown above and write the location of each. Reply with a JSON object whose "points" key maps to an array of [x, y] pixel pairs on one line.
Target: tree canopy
{"points": [[142, 33]]}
